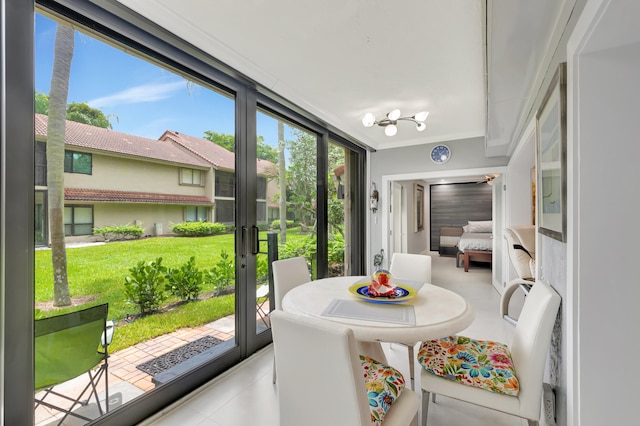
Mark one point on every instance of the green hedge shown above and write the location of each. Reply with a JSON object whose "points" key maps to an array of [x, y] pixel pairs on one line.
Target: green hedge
{"points": [[276, 224], [199, 229], [117, 233]]}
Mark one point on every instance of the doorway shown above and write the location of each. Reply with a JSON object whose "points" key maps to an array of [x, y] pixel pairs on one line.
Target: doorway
{"points": [[389, 202]]}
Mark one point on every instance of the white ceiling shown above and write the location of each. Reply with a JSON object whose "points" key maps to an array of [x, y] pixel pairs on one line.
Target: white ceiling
{"points": [[339, 59]]}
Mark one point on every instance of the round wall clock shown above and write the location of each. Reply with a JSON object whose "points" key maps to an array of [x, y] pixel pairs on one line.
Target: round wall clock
{"points": [[440, 154]]}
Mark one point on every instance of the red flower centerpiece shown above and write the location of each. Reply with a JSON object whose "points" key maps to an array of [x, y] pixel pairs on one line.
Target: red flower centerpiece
{"points": [[382, 284]]}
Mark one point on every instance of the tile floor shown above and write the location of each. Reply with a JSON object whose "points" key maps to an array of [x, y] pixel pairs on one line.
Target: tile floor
{"points": [[245, 395]]}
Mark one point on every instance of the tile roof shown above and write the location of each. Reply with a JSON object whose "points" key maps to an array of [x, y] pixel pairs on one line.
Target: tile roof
{"points": [[74, 194], [218, 156], [172, 146], [86, 136]]}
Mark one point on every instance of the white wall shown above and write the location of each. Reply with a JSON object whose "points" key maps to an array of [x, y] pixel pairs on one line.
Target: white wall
{"points": [[604, 65]]}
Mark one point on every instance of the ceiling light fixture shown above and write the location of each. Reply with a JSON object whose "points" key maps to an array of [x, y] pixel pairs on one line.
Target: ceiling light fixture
{"points": [[390, 122]]}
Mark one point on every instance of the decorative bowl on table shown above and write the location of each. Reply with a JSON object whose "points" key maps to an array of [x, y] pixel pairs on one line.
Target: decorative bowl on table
{"points": [[382, 284], [382, 289]]}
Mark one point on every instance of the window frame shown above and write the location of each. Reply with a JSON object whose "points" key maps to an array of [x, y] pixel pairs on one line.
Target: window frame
{"points": [[73, 223], [193, 171], [197, 209], [73, 162]]}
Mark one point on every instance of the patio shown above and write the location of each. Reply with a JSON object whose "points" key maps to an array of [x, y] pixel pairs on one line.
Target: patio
{"points": [[126, 381]]}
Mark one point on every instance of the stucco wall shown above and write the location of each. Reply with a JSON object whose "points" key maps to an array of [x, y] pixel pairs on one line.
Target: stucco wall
{"points": [[124, 174]]}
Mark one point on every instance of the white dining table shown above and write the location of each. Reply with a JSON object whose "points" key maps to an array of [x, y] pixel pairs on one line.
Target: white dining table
{"points": [[433, 313]]}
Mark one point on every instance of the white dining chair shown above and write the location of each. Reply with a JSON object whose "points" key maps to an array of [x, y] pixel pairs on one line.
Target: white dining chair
{"points": [[412, 267], [504, 378], [322, 380], [287, 274]]}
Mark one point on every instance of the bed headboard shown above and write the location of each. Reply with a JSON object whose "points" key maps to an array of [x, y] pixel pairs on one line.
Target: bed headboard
{"points": [[450, 231]]}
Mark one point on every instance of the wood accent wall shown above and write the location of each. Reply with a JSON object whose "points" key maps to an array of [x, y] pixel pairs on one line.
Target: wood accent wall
{"points": [[455, 204]]}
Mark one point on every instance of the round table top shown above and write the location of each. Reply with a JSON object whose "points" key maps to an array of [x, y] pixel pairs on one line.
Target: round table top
{"points": [[438, 312]]}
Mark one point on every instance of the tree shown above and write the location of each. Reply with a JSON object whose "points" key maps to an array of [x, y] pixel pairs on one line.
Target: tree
{"points": [[83, 113], [335, 205], [42, 103], [224, 140], [263, 151], [63, 54], [302, 179], [266, 152], [78, 112]]}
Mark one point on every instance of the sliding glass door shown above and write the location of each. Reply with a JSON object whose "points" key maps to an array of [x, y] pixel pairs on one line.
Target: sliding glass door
{"points": [[166, 179]]}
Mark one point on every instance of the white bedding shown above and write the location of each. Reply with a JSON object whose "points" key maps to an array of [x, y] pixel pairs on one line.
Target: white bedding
{"points": [[475, 241]]}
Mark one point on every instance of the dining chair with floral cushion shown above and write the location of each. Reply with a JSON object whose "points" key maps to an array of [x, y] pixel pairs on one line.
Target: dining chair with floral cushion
{"points": [[322, 379], [492, 374]]}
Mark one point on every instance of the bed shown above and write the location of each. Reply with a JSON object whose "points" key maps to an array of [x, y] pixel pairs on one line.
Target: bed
{"points": [[449, 237], [476, 243]]}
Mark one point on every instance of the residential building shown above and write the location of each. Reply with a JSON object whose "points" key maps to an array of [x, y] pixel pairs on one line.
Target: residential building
{"points": [[114, 179]]}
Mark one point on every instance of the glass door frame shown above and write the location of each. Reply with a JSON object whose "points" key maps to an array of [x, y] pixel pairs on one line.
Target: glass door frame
{"points": [[17, 204]]}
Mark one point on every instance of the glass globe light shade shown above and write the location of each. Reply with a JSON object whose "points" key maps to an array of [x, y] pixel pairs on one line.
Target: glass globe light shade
{"points": [[421, 126], [390, 130], [368, 120], [394, 115], [421, 116]]}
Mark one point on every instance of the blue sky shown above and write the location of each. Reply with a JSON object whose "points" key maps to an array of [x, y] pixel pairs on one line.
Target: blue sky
{"points": [[138, 97]]}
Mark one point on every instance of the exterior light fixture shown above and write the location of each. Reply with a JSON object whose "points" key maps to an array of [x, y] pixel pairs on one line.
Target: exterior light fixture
{"points": [[390, 122]]}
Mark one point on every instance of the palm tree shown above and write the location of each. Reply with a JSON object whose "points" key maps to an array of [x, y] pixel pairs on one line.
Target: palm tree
{"points": [[63, 54]]}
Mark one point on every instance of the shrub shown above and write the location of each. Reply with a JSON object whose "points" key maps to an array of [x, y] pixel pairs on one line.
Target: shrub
{"points": [[185, 282], [264, 226], [144, 286], [223, 273], [336, 256], [336, 249], [198, 229], [118, 233], [276, 224], [301, 247], [262, 270]]}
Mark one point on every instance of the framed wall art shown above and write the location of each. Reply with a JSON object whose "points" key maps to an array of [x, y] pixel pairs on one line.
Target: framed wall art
{"points": [[418, 196], [551, 138]]}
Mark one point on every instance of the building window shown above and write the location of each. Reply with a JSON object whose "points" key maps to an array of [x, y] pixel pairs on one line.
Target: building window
{"points": [[262, 188], [225, 184], [191, 177], [225, 211], [261, 212], [41, 164], [78, 220], [77, 162], [196, 213]]}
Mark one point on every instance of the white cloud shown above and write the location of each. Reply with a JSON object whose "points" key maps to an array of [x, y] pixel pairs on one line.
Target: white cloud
{"points": [[139, 94]]}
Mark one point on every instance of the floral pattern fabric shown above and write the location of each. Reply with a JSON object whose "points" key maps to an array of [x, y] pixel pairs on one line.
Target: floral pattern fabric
{"points": [[480, 363], [384, 385]]}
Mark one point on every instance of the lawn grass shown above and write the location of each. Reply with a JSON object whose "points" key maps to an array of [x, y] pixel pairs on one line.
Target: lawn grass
{"points": [[98, 273]]}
